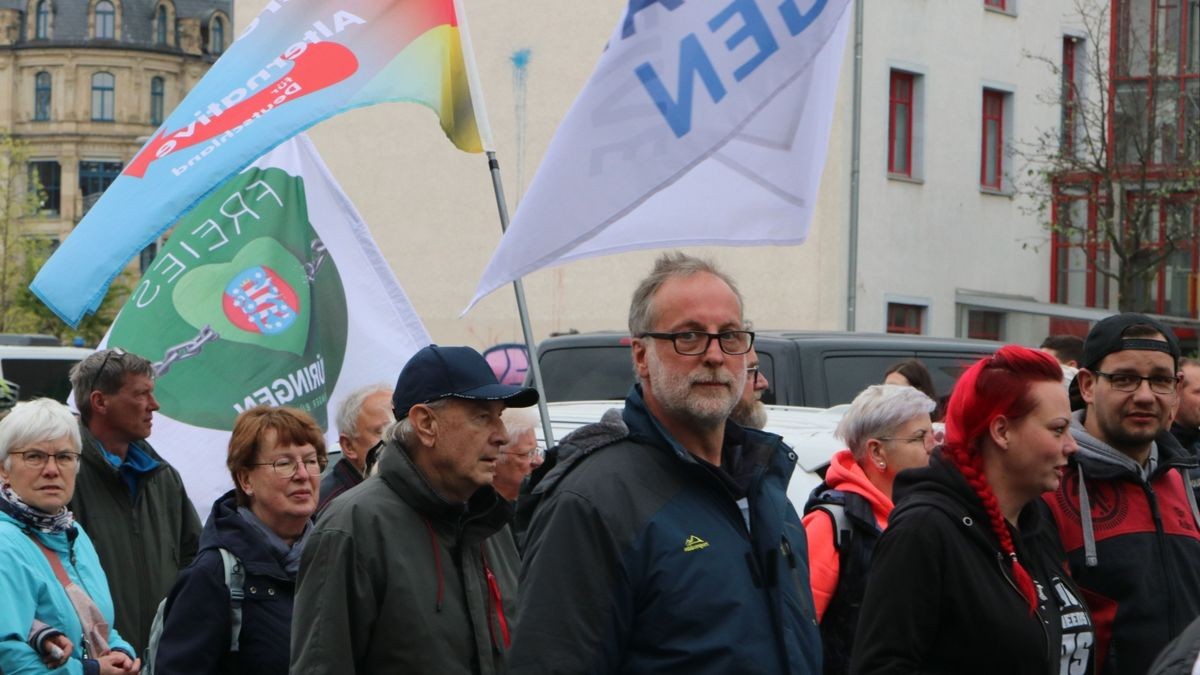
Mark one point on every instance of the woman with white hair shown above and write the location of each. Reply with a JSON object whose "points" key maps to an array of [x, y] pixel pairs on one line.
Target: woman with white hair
{"points": [[52, 589], [887, 430]]}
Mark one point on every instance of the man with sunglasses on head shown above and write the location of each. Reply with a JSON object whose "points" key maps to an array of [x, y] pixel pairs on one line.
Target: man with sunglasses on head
{"points": [[664, 541], [361, 420], [128, 498], [1127, 518]]}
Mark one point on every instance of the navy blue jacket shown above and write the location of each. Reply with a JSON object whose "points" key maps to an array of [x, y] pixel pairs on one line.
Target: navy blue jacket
{"points": [[196, 631], [638, 558]]}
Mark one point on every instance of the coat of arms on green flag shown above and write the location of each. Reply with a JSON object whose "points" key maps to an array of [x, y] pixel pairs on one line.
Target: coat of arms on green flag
{"points": [[242, 307]]}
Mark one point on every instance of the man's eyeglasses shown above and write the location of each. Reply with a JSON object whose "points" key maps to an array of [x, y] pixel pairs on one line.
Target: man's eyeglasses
{"points": [[36, 459], [108, 354], [1127, 382], [286, 467], [694, 343]]}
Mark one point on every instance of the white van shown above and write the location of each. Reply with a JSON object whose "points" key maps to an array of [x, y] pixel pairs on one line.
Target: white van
{"points": [[40, 371]]}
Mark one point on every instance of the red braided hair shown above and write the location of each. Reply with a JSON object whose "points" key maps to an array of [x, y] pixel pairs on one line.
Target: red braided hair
{"points": [[995, 386]]}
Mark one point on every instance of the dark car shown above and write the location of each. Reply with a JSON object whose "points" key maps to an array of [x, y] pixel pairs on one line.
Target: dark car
{"points": [[805, 368]]}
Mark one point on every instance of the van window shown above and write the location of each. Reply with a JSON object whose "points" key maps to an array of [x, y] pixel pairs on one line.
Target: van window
{"points": [[40, 377], [847, 375], [587, 373]]}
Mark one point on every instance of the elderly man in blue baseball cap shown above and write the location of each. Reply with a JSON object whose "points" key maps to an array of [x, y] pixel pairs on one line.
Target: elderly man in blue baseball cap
{"points": [[415, 570]]}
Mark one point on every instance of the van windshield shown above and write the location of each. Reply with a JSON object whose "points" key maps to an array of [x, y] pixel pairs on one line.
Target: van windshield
{"points": [[40, 377]]}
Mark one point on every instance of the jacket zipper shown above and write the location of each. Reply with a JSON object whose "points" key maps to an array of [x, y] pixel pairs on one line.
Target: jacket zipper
{"points": [[1160, 534], [1040, 621]]}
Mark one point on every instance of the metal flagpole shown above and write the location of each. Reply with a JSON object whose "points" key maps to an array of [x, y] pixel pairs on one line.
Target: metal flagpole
{"points": [[485, 137], [522, 309]]}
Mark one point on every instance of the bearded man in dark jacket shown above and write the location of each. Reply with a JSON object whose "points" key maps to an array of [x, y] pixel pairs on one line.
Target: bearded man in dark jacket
{"points": [[663, 541], [415, 569]]}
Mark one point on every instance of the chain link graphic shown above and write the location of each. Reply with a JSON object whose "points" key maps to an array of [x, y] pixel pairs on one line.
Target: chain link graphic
{"points": [[184, 350], [319, 254]]}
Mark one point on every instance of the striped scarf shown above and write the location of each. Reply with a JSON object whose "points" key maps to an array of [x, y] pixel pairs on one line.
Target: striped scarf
{"points": [[36, 519]]}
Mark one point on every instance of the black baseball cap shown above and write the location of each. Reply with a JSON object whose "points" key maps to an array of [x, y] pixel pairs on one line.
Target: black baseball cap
{"points": [[1106, 338], [434, 373]]}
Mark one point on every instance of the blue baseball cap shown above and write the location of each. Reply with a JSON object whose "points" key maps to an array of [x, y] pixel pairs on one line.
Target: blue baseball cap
{"points": [[434, 373]]}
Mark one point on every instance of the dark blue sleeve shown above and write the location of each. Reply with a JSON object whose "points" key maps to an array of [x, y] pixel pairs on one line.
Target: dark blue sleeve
{"points": [[195, 637]]}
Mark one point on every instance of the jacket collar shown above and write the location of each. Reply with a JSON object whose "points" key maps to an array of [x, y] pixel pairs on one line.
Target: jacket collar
{"points": [[94, 455], [753, 445], [484, 513], [227, 529]]}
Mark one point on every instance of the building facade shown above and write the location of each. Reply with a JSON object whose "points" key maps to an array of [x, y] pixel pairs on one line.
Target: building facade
{"points": [[86, 82]]}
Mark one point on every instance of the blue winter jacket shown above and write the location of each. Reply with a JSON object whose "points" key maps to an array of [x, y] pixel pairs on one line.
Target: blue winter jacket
{"points": [[29, 590], [638, 558], [198, 620]]}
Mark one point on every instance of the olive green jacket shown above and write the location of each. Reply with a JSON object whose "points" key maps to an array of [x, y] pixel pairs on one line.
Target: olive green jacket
{"points": [[395, 579], [142, 543]]}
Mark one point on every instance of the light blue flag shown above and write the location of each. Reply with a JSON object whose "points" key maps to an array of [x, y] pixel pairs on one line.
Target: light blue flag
{"points": [[296, 64]]}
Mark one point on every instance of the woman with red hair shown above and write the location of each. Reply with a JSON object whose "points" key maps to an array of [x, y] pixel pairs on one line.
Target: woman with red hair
{"points": [[969, 576]]}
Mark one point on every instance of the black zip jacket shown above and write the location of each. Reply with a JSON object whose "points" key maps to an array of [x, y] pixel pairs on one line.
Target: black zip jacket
{"points": [[941, 596], [1135, 549]]}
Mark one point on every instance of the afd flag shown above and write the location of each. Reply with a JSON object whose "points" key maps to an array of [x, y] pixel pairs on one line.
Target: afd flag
{"points": [[704, 123], [296, 64], [292, 306]]}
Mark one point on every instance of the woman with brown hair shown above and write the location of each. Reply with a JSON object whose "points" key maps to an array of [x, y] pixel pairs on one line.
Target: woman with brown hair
{"points": [[969, 576], [276, 456]]}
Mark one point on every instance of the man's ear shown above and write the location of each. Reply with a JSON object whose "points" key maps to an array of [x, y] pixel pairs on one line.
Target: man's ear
{"points": [[347, 446], [638, 349], [98, 402], [424, 423], [1087, 385]]}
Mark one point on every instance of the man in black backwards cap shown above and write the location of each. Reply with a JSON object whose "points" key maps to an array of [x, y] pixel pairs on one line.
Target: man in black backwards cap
{"points": [[414, 570], [1126, 516]]}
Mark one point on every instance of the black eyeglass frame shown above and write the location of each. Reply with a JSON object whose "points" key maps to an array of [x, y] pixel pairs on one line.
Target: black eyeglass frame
{"points": [[1148, 378], [674, 337]]}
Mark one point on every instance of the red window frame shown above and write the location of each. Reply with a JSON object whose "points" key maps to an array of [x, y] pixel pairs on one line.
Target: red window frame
{"points": [[993, 114], [996, 4], [905, 319], [900, 99]]}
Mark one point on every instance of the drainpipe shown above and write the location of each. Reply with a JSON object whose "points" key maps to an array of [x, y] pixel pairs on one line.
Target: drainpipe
{"points": [[855, 168]]}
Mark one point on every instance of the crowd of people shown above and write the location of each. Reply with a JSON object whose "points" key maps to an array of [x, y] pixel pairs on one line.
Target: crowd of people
{"points": [[1016, 526]]}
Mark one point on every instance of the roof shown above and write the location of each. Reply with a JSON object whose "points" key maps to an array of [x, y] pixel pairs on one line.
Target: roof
{"points": [[137, 18]]}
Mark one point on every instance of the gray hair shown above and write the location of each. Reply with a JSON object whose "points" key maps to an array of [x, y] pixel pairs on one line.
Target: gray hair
{"points": [[669, 266], [98, 373], [347, 414], [403, 433], [519, 420], [878, 411], [34, 421]]}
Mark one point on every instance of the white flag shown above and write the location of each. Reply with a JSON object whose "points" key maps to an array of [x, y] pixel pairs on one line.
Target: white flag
{"points": [[704, 123], [271, 291]]}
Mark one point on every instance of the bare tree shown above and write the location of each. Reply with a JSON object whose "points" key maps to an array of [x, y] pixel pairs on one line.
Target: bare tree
{"points": [[1119, 179]]}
